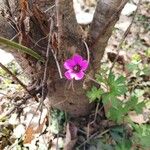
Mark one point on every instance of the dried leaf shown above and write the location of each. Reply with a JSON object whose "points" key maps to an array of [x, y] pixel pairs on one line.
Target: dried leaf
{"points": [[137, 118], [145, 38], [112, 56], [23, 5], [71, 136], [32, 130]]}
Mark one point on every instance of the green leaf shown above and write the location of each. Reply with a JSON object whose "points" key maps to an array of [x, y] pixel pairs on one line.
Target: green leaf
{"points": [[117, 128], [130, 104], [101, 77], [116, 114], [133, 104], [148, 52], [21, 48], [124, 145], [111, 78], [132, 66], [146, 70], [94, 94], [118, 134], [102, 146], [107, 97], [136, 57], [117, 85], [142, 135], [110, 97], [116, 103], [139, 107]]}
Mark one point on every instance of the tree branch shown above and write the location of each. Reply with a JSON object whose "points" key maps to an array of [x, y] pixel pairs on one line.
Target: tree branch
{"points": [[106, 15]]}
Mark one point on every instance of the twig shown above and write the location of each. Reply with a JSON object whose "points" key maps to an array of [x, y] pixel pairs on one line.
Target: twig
{"points": [[15, 144], [36, 43], [57, 147], [88, 52], [17, 80], [49, 8], [104, 132], [5, 95], [46, 71], [124, 36], [57, 63], [15, 36], [46, 75], [11, 110], [6, 2], [59, 26], [92, 136], [96, 111], [58, 66], [14, 77], [96, 82], [11, 21], [59, 23]]}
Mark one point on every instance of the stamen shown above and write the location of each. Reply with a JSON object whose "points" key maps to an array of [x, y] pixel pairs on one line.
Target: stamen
{"points": [[77, 68]]}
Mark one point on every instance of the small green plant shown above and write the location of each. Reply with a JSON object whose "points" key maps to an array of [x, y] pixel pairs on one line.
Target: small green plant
{"points": [[141, 135], [119, 135], [137, 67], [57, 121], [112, 91]]}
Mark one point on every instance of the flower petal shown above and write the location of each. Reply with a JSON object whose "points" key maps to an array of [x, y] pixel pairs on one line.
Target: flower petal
{"points": [[68, 75], [79, 76], [84, 65], [69, 63], [77, 58]]}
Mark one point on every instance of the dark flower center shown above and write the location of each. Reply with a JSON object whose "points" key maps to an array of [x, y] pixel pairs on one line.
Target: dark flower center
{"points": [[77, 68]]}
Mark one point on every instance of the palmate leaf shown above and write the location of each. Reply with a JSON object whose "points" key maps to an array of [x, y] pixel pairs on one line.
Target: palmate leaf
{"points": [[132, 66], [111, 97], [94, 94], [16, 46], [118, 134], [133, 104], [107, 97], [116, 114], [117, 85], [124, 145], [101, 78], [142, 135], [139, 107], [146, 69]]}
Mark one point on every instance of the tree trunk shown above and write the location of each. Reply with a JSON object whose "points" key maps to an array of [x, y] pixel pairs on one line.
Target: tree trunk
{"points": [[33, 24]]}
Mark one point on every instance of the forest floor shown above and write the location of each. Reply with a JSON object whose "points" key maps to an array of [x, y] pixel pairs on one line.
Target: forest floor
{"points": [[24, 127]]}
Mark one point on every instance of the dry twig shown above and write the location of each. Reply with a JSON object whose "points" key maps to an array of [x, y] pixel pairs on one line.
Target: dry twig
{"points": [[14, 77]]}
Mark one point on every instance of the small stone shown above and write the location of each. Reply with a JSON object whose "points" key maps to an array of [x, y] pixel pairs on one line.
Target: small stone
{"points": [[128, 9]]}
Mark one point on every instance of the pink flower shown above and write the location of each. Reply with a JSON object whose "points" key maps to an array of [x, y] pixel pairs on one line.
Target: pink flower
{"points": [[75, 67]]}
